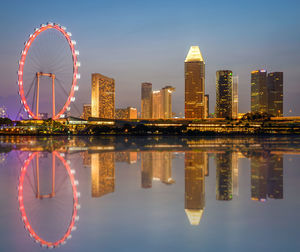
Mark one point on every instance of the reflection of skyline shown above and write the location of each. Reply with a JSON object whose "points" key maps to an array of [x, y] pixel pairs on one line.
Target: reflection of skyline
{"points": [[102, 173], [195, 168], [266, 176]]}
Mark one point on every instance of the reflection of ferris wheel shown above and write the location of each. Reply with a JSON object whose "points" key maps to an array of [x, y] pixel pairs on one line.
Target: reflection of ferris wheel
{"points": [[39, 196], [48, 65]]}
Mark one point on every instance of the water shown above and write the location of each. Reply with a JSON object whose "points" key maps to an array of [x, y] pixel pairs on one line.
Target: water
{"points": [[150, 194]]}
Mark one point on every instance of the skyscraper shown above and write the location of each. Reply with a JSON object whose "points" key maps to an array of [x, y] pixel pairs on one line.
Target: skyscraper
{"points": [[194, 186], [275, 93], [224, 94], [162, 103], [146, 100], [259, 91], [167, 101], [235, 97], [103, 96], [157, 104], [194, 84], [206, 101]]}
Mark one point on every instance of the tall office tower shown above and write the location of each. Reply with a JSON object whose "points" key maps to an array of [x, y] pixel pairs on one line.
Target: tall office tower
{"points": [[194, 186], [235, 97], [103, 96], [194, 84], [259, 91], [224, 94], [102, 173], [206, 102], [162, 167], [224, 176], [157, 104], [147, 172], [146, 101], [86, 112], [167, 101], [275, 93]]}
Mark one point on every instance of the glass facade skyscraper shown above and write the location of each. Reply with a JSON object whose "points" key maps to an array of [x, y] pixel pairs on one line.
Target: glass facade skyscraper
{"points": [[235, 97], [146, 100], [259, 91], [275, 93], [224, 94]]}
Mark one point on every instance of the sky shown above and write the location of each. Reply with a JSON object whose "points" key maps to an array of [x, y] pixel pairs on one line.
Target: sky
{"points": [[147, 41]]}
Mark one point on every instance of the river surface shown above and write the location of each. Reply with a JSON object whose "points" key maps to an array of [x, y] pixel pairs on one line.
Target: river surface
{"points": [[149, 194]]}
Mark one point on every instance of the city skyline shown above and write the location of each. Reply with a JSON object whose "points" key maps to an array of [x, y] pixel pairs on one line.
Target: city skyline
{"points": [[167, 44]]}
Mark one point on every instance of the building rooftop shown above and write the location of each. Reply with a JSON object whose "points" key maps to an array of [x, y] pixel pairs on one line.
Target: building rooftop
{"points": [[194, 54]]}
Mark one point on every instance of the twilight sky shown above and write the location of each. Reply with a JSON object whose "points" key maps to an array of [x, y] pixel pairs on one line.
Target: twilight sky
{"points": [[137, 41]]}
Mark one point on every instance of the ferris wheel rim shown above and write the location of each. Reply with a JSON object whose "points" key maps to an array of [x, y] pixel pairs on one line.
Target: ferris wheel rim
{"points": [[22, 61], [25, 220]]}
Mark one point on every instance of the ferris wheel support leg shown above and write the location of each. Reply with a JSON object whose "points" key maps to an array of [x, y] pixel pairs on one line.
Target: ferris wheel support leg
{"points": [[53, 96], [37, 94], [53, 174]]}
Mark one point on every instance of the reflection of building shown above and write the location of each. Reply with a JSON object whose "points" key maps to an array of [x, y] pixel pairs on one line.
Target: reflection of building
{"points": [[235, 173], [275, 93], [103, 96], [266, 177], [86, 112], [235, 97], [195, 186], [194, 84], [259, 91], [86, 158], [127, 157], [102, 173], [156, 166], [162, 167], [146, 160], [126, 113], [224, 94], [146, 101], [224, 176]]}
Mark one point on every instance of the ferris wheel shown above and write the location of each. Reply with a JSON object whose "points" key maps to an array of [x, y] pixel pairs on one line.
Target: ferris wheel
{"points": [[48, 68]]}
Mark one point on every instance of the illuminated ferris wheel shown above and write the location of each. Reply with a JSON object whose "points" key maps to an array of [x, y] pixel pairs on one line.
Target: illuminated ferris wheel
{"points": [[48, 67], [45, 215]]}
